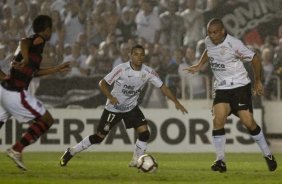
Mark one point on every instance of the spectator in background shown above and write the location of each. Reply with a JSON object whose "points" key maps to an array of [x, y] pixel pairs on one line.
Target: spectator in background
{"points": [[126, 24], [111, 19], [194, 84], [14, 31], [76, 60], [7, 15], [96, 30], [4, 61], [57, 29], [82, 40], [123, 55], [194, 24], [173, 79], [91, 60], [172, 26], [74, 22], [148, 22]]}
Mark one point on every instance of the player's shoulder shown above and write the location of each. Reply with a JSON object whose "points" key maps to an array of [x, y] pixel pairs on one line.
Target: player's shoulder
{"points": [[232, 39], [147, 68], [233, 42], [208, 42]]}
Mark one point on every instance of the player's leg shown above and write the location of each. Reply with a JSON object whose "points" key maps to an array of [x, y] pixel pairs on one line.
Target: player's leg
{"points": [[244, 108], [107, 121], [140, 144], [246, 117], [25, 108], [136, 119], [36, 129], [221, 112]]}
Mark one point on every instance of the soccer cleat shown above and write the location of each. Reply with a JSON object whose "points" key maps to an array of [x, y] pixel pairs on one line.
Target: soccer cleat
{"points": [[271, 162], [219, 165], [65, 158], [133, 162], [17, 158]]}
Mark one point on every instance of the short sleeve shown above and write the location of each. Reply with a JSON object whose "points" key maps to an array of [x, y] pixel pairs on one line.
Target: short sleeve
{"points": [[243, 51], [113, 75], [155, 79]]}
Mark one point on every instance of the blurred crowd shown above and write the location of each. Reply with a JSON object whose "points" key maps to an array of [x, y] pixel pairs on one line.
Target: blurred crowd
{"points": [[96, 35]]}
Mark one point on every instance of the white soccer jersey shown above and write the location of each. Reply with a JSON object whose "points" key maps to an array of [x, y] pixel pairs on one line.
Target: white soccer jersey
{"points": [[128, 84], [226, 62]]}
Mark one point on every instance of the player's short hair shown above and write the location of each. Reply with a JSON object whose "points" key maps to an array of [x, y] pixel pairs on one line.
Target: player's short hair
{"points": [[41, 22], [216, 21], [136, 47]]}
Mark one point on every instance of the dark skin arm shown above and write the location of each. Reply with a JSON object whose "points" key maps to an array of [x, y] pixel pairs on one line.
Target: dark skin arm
{"points": [[166, 91], [258, 87], [64, 67], [104, 86], [195, 68]]}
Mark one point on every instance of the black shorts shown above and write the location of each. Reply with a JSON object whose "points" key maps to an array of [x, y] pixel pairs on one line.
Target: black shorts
{"points": [[132, 119], [239, 98]]}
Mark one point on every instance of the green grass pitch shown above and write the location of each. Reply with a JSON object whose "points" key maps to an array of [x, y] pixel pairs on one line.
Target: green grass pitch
{"points": [[112, 168]]}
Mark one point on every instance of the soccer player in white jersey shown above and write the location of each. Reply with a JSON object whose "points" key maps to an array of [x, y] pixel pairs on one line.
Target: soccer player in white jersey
{"points": [[128, 80], [226, 55]]}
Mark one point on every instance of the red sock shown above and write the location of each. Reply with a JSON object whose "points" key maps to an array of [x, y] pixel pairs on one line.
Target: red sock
{"points": [[34, 131]]}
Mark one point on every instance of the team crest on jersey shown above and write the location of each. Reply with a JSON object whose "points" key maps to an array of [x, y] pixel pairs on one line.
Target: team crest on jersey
{"points": [[143, 77], [223, 50]]}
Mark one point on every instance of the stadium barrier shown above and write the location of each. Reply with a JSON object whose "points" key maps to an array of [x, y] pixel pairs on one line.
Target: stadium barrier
{"points": [[171, 131]]}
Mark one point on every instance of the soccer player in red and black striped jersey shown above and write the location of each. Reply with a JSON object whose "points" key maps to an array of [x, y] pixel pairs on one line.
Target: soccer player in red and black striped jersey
{"points": [[14, 98]]}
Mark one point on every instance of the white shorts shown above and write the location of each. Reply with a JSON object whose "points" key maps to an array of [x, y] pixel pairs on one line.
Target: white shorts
{"points": [[20, 105]]}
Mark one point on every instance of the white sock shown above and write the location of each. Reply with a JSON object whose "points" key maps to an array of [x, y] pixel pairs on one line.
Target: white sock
{"points": [[140, 148], [219, 144], [260, 140], [83, 145]]}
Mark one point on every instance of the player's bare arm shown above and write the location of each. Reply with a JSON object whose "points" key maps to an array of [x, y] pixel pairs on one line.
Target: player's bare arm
{"points": [[24, 49], [196, 68], [165, 90], [104, 86], [258, 86], [61, 68]]}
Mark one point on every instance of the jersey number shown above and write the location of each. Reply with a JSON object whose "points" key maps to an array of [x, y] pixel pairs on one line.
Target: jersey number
{"points": [[111, 117]]}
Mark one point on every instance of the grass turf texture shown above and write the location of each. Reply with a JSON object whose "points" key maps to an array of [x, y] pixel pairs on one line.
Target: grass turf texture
{"points": [[108, 168]]}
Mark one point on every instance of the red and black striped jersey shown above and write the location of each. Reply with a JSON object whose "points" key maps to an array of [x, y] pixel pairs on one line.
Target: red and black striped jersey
{"points": [[19, 79]]}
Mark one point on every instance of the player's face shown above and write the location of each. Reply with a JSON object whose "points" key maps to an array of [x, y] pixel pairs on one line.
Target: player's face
{"points": [[48, 33], [137, 58], [216, 33]]}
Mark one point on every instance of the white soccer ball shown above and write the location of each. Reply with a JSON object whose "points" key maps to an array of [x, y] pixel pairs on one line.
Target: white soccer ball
{"points": [[147, 164]]}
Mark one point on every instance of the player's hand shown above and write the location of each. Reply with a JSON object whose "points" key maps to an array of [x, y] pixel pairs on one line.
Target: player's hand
{"points": [[64, 67], [258, 88], [178, 106], [19, 65], [114, 100], [192, 69]]}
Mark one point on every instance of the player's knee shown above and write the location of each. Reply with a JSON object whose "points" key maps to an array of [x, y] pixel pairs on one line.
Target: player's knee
{"points": [[95, 139], [144, 136], [47, 117], [218, 132], [255, 131]]}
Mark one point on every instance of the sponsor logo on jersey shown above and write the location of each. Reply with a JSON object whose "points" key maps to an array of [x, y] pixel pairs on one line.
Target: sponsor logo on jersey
{"points": [[128, 90]]}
